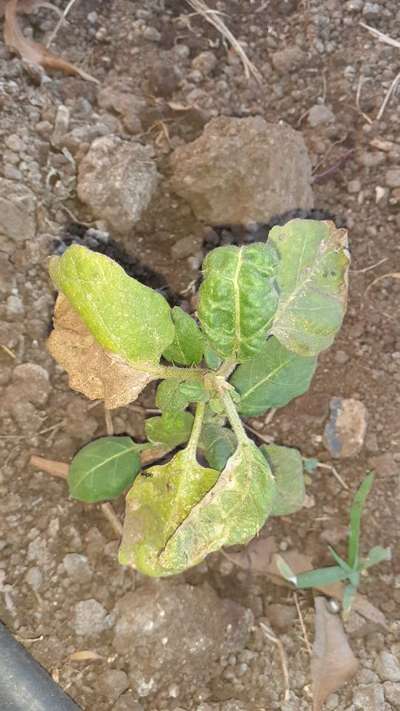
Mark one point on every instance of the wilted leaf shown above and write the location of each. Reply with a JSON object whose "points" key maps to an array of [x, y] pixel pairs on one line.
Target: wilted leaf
{"points": [[333, 662], [312, 280], [33, 52], [218, 444], [103, 469], [238, 299], [171, 429], [271, 379], [287, 467], [233, 511], [155, 507], [187, 346], [85, 656], [125, 317], [92, 371]]}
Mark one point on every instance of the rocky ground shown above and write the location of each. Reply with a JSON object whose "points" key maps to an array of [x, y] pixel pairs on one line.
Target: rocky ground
{"points": [[111, 164]]}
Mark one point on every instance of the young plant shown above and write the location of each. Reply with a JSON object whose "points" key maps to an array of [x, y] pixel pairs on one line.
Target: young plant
{"points": [[349, 570], [265, 312]]}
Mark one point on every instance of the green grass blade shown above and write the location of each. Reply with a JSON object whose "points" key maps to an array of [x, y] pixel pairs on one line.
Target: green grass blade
{"points": [[376, 555], [348, 598], [355, 520], [342, 563], [320, 577]]}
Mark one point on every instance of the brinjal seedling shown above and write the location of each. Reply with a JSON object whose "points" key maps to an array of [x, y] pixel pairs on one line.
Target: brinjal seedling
{"points": [[265, 312]]}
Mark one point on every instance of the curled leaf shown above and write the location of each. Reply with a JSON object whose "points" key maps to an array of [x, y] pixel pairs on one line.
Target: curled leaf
{"points": [[33, 52], [188, 344], [312, 281], [92, 371], [287, 467], [333, 662], [156, 505], [238, 299], [233, 511], [217, 444]]}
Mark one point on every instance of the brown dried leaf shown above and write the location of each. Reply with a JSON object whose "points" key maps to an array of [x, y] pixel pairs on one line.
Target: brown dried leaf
{"points": [[92, 371], [85, 656], [256, 557], [33, 52], [333, 662]]}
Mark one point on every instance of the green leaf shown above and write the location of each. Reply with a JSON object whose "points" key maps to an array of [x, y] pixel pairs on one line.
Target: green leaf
{"points": [[238, 299], [312, 280], [349, 595], [103, 469], [188, 344], [271, 379], [287, 467], [125, 317], [169, 397], [171, 429], [195, 392], [217, 444], [321, 577], [355, 520], [156, 506], [310, 464], [376, 555], [343, 563], [212, 359], [233, 511], [285, 570]]}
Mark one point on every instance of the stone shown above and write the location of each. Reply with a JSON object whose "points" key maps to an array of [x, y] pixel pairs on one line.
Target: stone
{"points": [[90, 618], [369, 698], [320, 114], [30, 382], [285, 60], [242, 171], [17, 211], [385, 465], [127, 702], [392, 693], [61, 125], [15, 307], [205, 62], [392, 178], [112, 683], [127, 105], [164, 628], [26, 416], [346, 428], [117, 180], [281, 616], [34, 578], [77, 567], [387, 666], [78, 422]]}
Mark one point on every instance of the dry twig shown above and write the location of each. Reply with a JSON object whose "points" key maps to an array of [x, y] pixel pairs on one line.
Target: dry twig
{"points": [[282, 654], [215, 19], [386, 39], [303, 627], [60, 22]]}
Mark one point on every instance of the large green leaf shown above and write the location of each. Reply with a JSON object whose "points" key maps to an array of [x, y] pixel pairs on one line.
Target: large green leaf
{"points": [[125, 317], [156, 506], [271, 379], [171, 429], [233, 511], [287, 467], [188, 344], [238, 299], [103, 469], [312, 279], [217, 444]]}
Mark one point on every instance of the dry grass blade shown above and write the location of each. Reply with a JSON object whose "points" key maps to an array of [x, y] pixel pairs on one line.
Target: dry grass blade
{"points": [[33, 52], [333, 662], [63, 16], [391, 275], [282, 654], [85, 656], [386, 39], [214, 19]]}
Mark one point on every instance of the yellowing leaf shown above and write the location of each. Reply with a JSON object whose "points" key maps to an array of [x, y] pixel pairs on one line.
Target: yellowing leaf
{"points": [[92, 371], [125, 317]]}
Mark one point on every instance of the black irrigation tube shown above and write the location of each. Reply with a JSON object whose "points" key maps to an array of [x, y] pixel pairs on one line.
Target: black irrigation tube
{"points": [[24, 684]]}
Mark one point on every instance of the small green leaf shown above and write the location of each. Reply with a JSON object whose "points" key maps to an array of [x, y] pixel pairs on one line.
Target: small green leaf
{"points": [[233, 511], [342, 563], [217, 444], [171, 429], [376, 555], [321, 577], [349, 595], [188, 344], [212, 359], [287, 467], [169, 397], [312, 281], [195, 392], [355, 520], [124, 316], [271, 379], [238, 299], [103, 469], [310, 464], [156, 506], [285, 570]]}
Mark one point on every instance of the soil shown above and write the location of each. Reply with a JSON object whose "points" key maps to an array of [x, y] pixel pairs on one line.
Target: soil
{"points": [[149, 48]]}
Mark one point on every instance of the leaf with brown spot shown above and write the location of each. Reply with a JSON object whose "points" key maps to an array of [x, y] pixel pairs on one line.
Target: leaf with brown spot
{"points": [[333, 662], [92, 371], [33, 52]]}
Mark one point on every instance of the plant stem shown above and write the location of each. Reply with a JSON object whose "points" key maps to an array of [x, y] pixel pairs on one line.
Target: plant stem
{"points": [[196, 429], [227, 368], [233, 417], [168, 372]]}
